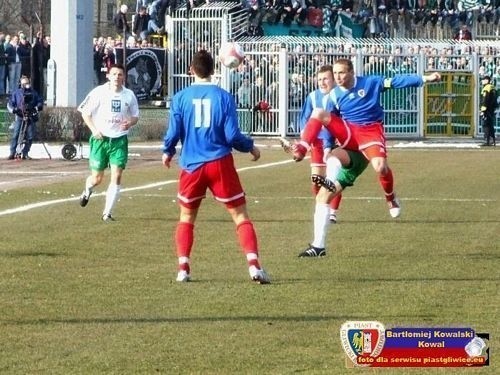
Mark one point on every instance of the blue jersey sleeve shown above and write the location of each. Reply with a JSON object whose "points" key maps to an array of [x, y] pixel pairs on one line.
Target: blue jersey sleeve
{"points": [[400, 81], [173, 133], [307, 109], [234, 137]]}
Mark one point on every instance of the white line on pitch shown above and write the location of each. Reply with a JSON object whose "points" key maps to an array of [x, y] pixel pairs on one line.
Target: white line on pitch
{"points": [[42, 172], [148, 186]]}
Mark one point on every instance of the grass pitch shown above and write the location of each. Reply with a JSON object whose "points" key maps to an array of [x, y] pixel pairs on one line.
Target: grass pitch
{"points": [[82, 296]]}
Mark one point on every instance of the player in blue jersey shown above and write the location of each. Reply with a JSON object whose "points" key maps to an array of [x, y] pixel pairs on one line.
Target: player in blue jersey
{"points": [[203, 118], [320, 98], [360, 127], [356, 100]]}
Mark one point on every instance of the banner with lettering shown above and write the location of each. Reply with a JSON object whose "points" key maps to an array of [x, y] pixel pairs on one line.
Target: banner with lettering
{"points": [[369, 344]]}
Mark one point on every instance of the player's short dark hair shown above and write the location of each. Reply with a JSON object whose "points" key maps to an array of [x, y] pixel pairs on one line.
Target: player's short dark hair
{"points": [[203, 64], [118, 66]]}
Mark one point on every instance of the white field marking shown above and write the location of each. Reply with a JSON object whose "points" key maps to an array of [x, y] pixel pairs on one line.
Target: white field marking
{"points": [[46, 174], [460, 200], [148, 186], [42, 172], [15, 181]]}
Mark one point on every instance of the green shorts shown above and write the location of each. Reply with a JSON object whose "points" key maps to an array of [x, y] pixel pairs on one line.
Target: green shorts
{"points": [[347, 175], [108, 151]]}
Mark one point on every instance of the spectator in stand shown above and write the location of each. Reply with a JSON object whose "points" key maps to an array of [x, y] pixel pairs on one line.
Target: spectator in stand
{"points": [[166, 8], [6, 75], [157, 22], [292, 9], [7, 40], [272, 92], [99, 46], [245, 94], [13, 64], [463, 63], [121, 23], [463, 34], [41, 56], [3, 63], [256, 12], [258, 91], [296, 97], [108, 59], [142, 3], [145, 44], [140, 28], [24, 52], [131, 42]]}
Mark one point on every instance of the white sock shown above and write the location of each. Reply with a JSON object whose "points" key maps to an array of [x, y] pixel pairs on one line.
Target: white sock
{"points": [[321, 224], [112, 195], [183, 260], [88, 185], [333, 166]]}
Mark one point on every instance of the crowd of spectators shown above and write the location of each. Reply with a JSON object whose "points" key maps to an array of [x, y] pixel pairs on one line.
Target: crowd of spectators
{"points": [[376, 16], [255, 83], [20, 57]]}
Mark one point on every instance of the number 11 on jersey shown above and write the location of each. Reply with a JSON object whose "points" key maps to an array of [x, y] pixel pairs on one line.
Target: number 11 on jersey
{"points": [[202, 113]]}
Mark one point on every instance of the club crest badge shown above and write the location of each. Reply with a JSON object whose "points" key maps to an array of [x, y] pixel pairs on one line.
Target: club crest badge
{"points": [[116, 106], [362, 339]]}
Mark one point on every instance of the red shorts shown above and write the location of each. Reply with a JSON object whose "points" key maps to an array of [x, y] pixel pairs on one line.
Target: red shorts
{"points": [[219, 176], [369, 139], [342, 133]]}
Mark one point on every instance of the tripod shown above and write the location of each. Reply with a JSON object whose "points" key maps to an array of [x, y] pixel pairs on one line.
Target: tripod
{"points": [[21, 138], [26, 135]]}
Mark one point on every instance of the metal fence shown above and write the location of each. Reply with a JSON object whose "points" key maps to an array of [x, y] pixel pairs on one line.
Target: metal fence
{"points": [[203, 27], [279, 71]]}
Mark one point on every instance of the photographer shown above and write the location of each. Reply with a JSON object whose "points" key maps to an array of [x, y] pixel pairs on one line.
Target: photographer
{"points": [[25, 103]]}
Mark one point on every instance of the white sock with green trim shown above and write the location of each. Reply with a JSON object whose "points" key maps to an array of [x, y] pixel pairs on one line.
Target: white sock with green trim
{"points": [[112, 195]]}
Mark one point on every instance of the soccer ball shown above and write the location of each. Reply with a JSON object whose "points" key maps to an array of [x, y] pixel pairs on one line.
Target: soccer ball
{"points": [[231, 55]]}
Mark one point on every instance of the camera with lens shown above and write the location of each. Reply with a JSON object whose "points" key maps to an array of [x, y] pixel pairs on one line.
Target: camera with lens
{"points": [[30, 110]]}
